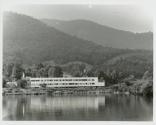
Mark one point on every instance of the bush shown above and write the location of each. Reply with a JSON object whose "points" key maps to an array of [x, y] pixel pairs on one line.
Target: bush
{"points": [[22, 84]]}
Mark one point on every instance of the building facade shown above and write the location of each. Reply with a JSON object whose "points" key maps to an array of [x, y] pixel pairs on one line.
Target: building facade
{"points": [[65, 82]]}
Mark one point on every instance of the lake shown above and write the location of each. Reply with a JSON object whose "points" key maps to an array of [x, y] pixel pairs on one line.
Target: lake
{"points": [[103, 108]]}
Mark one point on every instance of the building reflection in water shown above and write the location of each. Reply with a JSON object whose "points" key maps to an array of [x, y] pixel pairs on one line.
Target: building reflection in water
{"points": [[66, 103], [108, 107]]}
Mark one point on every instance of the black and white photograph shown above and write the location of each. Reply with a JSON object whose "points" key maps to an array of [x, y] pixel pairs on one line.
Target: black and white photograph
{"points": [[77, 62]]}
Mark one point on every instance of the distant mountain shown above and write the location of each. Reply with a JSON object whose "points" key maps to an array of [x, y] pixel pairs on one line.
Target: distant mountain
{"points": [[103, 35], [31, 41]]}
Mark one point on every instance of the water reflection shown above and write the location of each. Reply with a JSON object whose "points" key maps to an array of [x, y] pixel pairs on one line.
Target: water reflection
{"points": [[109, 107]]}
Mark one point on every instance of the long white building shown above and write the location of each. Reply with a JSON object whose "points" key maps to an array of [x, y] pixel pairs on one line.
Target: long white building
{"points": [[65, 82]]}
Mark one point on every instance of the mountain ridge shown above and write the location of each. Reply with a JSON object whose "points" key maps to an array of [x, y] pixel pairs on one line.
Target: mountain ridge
{"points": [[103, 35], [85, 20]]}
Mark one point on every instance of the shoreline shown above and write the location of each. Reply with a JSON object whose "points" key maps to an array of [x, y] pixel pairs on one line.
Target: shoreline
{"points": [[142, 88], [56, 92]]}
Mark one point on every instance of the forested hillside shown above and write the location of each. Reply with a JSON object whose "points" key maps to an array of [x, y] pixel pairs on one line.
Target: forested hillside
{"points": [[32, 41]]}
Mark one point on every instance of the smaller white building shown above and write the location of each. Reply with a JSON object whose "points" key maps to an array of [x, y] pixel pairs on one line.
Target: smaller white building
{"points": [[12, 84], [65, 82]]}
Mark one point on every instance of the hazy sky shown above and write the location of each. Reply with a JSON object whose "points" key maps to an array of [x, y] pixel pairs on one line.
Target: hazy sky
{"points": [[126, 17]]}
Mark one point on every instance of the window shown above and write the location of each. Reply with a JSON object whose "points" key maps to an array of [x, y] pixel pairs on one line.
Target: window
{"points": [[68, 79], [83, 79], [71, 83]]}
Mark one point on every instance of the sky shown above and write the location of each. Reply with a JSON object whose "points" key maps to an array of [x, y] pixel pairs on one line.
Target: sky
{"points": [[133, 18]]}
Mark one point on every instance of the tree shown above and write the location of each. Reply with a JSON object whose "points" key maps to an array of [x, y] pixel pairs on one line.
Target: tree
{"points": [[51, 72], [4, 83], [28, 72], [146, 75], [55, 71], [58, 72], [101, 76], [22, 84], [82, 68], [77, 74], [17, 71], [39, 66], [90, 73], [7, 69], [110, 78], [42, 72]]}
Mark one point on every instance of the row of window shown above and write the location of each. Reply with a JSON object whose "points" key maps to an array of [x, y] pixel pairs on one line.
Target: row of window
{"points": [[69, 84], [72, 84], [64, 80]]}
